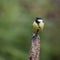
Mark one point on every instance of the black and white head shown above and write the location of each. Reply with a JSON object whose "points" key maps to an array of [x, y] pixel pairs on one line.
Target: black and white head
{"points": [[38, 20]]}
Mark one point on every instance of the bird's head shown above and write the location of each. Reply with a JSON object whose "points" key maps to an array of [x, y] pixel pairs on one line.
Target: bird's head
{"points": [[38, 25]]}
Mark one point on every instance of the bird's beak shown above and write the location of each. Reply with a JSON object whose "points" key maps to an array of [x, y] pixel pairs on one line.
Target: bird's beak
{"points": [[41, 25]]}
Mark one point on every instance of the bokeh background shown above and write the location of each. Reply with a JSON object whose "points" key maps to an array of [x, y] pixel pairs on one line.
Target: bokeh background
{"points": [[16, 18]]}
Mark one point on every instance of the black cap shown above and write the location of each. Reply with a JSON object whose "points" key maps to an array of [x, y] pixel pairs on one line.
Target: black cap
{"points": [[37, 20]]}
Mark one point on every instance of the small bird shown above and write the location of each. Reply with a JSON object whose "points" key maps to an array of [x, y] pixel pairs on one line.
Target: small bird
{"points": [[38, 26]]}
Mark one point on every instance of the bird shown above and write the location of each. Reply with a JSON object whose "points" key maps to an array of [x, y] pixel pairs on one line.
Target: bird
{"points": [[38, 26]]}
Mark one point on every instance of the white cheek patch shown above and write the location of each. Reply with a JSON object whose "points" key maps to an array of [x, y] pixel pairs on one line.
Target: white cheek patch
{"points": [[40, 20]]}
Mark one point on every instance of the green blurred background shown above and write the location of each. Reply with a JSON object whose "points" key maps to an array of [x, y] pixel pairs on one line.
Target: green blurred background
{"points": [[16, 18]]}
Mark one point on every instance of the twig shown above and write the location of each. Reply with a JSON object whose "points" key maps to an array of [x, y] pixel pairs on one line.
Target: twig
{"points": [[35, 48]]}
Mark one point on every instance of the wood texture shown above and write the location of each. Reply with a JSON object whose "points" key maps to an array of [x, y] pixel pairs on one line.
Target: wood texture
{"points": [[35, 48]]}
